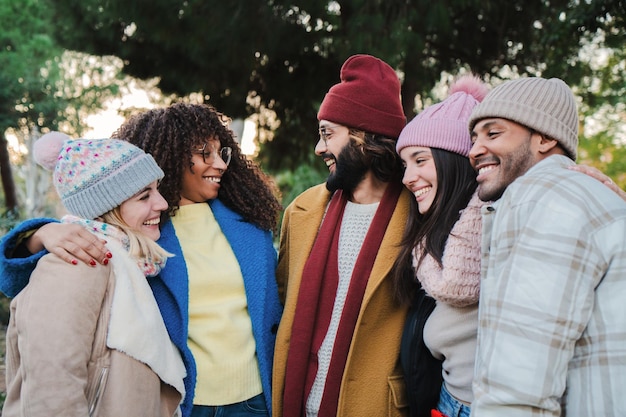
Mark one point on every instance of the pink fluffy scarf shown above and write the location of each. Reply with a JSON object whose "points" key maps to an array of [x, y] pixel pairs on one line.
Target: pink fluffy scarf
{"points": [[458, 282]]}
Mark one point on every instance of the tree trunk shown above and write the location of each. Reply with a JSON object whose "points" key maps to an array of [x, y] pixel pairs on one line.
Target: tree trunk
{"points": [[8, 185]]}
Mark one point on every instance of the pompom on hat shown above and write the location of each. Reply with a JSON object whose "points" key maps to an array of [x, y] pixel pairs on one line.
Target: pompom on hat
{"points": [[93, 176], [444, 125], [367, 98], [545, 105]]}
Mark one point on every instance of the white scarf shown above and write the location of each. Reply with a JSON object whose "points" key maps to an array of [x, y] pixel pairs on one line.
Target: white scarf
{"points": [[136, 326]]}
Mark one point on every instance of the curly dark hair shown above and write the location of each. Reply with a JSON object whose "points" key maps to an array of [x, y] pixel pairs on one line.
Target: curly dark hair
{"points": [[170, 134]]}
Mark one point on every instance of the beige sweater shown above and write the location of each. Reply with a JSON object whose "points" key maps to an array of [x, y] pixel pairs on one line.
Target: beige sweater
{"points": [[451, 330]]}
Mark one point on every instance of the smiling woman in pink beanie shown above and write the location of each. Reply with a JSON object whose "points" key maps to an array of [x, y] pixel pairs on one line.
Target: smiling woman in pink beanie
{"points": [[441, 253], [439, 267]]}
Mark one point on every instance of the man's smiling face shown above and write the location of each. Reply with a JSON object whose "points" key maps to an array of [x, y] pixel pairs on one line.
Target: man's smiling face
{"points": [[502, 151]]}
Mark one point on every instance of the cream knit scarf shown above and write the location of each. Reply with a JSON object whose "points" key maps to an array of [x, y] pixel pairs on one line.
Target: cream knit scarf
{"points": [[458, 282], [136, 326]]}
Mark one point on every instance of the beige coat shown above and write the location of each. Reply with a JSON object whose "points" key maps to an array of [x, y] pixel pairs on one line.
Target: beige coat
{"points": [[58, 362], [372, 383]]}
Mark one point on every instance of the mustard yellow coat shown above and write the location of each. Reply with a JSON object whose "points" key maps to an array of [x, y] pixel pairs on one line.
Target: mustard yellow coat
{"points": [[372, 383]]}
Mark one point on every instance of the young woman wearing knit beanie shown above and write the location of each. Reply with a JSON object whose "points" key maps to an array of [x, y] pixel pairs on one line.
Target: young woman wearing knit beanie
{"points": [[90, 341], [441, 253], [218, 294]]}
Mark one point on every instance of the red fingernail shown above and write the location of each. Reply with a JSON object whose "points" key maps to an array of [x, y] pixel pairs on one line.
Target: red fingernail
{"points": [[92, 262], [109, 255], [74, 262], [105, 262]]}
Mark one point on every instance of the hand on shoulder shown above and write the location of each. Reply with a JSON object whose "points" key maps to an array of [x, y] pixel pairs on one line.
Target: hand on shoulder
{"points": [[600, 176], [70, 242]]}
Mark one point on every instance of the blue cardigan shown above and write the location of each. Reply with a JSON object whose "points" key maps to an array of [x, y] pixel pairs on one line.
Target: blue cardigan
{"points": [[255, 253]]}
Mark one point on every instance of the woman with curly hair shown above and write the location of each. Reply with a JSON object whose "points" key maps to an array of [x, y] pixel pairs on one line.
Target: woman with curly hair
{"points": [[218, 294], [175, 135]]}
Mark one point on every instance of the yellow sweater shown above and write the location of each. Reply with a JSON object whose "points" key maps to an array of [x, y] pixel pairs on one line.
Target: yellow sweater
{"points": [[220, 331]]}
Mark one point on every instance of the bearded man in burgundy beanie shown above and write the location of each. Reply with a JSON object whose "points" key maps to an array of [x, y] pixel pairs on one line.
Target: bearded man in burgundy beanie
{"points": [[338, 343]]}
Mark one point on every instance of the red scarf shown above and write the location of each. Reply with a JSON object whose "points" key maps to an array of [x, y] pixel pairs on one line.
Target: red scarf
{"points": [[315, 302]]}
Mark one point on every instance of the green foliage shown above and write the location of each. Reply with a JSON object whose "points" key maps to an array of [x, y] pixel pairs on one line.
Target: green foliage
{"points": [[602, 151], [27, 94], [8, 219], [278, 57], [603, 105], [42, 85], [292, 183], [283, 56], [86, 83], [43, 88]]}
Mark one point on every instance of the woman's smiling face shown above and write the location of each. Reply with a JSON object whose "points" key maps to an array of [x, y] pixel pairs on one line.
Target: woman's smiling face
{"points": [[201, 181], [420, 175], [142, 211]]}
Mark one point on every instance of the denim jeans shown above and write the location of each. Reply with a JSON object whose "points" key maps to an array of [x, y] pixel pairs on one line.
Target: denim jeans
{"points": [[253, 407], [450, 406]]}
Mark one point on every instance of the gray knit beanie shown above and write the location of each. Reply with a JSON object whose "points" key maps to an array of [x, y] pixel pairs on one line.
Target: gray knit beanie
{"points": [[93, 176], [547, 106]]}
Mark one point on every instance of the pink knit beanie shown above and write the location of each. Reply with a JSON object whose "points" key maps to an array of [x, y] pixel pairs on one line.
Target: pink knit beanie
{"points": [[367, 98], [444, 125]]}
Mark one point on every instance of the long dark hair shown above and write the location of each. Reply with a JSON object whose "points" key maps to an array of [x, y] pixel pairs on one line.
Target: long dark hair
{"points": [[456, 182], [381, 155], [170, 134]]}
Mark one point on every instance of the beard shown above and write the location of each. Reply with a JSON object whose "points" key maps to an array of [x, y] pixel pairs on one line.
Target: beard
{"points": [[511, 166], [350, 169]]}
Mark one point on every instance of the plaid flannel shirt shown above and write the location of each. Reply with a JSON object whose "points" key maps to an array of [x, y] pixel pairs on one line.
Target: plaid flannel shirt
{"points": [[552, 312]]}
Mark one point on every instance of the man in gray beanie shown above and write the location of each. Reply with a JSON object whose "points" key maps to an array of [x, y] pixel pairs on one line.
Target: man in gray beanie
{"points": [[552, 335]]}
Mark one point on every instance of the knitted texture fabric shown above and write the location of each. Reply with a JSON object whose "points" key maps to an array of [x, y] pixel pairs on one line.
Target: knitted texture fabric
{"points": [[367, 98], [354, 226], [444, 125], [94, 176], [458, 283], [545, 105]]}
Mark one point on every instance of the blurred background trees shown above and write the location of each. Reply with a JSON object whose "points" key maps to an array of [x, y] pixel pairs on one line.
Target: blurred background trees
{"points": [[42, 87], [272, 61]]}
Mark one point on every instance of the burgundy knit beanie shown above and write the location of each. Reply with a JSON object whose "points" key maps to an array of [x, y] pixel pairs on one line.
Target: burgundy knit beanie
{"points": [[367, 98], [444, 125]]}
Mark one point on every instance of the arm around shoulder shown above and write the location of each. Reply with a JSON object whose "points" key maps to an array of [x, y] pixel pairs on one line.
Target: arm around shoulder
{"points": [[15, 270]]}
